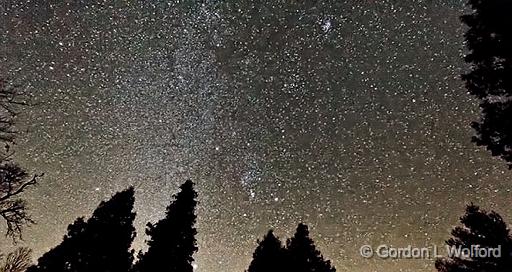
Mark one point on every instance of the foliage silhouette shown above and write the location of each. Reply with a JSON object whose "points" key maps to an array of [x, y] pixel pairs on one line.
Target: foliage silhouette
{"points": [[172, 243], [269, 256], [482, 229], [489, 39], [304, 257], [14, 180], [300, 254], [100, 244]]}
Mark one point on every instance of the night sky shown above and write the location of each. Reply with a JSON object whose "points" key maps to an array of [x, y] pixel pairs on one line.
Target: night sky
{"points": [[349, 116]]}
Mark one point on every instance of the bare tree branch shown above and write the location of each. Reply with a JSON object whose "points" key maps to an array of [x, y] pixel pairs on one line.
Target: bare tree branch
{"points": [[14, 180], [17, 261], [14, 192]]}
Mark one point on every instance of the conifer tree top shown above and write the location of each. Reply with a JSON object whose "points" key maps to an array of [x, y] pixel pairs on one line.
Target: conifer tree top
{"points": [[479, 229], [172, 241], [101, 244]]}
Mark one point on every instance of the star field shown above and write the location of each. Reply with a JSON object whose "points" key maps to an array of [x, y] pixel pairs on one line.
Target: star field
{"points": [[348, 116]]}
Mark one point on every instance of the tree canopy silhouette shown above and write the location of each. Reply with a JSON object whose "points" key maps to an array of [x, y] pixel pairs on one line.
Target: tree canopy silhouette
{"points": [[482, 229], [13, 179], [304, 257], [172, 243], [100, 244], [489, 39], [299, 255], [269, 256]]}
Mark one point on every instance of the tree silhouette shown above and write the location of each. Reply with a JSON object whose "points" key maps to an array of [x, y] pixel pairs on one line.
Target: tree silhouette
{"points": [[13, 179], [482, 229], [304, 257], [13, 182], [172, 242], [17, 261], [269, 256], [489, 39], [100, 244]]}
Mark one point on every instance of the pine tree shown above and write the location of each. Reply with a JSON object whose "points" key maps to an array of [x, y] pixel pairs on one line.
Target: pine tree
{"points": [[482, 229], [172, 242], [269, 256], [304, 257], [489, 40], [100, 244]]}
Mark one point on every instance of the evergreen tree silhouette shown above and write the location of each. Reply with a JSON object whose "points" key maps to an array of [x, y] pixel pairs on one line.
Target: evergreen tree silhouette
{"points": [[172, 241], [269, 256], [486, 230], [100, 244], [489, 40], [304, 257]]}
